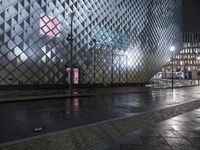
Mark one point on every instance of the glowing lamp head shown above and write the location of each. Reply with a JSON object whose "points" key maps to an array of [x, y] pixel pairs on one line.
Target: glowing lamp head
{"points": [[198, 58], [172, 48]]}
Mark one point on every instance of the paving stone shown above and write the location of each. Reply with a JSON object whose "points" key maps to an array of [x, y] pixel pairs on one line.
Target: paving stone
{"points": [[132, 147], [183, 147], [194, 141], [154, 141], [181, 127], [186, 133], [174, 141], [147, 132], [159, 148], [170, 133]]}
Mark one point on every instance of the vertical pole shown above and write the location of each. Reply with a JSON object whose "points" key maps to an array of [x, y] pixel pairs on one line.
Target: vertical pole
{"points": [[112, 61], [198, 76], [184, 71], [71, 56], [172, 73], [94, 60], [94, 64], [197, 67], [126, 69]]}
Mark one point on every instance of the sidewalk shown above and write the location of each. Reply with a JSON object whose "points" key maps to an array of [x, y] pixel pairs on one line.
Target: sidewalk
{"points": [[179, 133], [22, 95]]}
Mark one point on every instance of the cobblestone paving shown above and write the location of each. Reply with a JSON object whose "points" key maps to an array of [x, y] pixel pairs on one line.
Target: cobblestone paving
{"points": [[179, 133]]}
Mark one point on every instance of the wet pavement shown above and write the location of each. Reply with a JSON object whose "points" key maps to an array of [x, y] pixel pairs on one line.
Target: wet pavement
{"points": [[179, 133], [18, 120], [37, 94]]}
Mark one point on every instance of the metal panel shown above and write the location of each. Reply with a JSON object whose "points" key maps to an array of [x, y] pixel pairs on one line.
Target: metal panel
{"points": [[34, 49]]}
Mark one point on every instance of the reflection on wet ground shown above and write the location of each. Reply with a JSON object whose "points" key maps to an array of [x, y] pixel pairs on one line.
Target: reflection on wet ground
{"points": [[18, 120], [179, 133]]}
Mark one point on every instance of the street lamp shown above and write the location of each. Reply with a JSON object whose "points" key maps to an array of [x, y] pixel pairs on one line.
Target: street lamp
{"points": [[70, 38], [172, 49], [94, 60]]}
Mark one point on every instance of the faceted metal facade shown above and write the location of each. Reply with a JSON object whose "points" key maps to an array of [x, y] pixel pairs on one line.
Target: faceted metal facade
{"points": [[132, 39]]}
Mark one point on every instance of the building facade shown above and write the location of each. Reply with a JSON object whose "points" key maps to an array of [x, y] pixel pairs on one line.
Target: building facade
{"points": [[187, 62], [114, 41]]}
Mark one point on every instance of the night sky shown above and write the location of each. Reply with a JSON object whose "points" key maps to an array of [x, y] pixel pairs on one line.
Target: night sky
{"points": [[191, 15]]}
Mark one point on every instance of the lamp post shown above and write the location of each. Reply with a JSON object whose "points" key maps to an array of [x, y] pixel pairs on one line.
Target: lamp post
{"points": [[94, 61], [70, 38], [172, 49], [112, 67]]}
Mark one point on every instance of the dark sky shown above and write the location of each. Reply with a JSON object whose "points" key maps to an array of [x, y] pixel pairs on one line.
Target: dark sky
{"points": [[191, 11]]}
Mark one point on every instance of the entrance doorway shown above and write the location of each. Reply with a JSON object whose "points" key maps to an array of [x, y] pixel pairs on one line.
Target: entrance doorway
{"points": [[189, 75]]}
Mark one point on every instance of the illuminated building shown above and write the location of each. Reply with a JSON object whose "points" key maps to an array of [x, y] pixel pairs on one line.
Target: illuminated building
{"points": [[188, 60], [114, 41]]}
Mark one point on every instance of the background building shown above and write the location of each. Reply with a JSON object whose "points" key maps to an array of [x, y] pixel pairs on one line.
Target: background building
{"points": [[114, 41], [188, 60]]}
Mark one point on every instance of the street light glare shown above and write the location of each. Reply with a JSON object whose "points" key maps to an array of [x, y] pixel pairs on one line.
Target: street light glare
{"points": [[172, 48]]}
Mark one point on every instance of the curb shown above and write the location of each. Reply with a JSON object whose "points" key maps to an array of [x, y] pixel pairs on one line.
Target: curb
{"points": [[59, 96]]}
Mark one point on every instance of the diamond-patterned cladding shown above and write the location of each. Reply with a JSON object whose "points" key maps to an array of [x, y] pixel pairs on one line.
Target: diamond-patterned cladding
{"points": [[132, 39]]}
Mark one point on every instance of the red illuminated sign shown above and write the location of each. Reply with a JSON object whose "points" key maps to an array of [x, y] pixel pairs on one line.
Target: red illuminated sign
{"points": [[75, 77], [49, 26]]}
